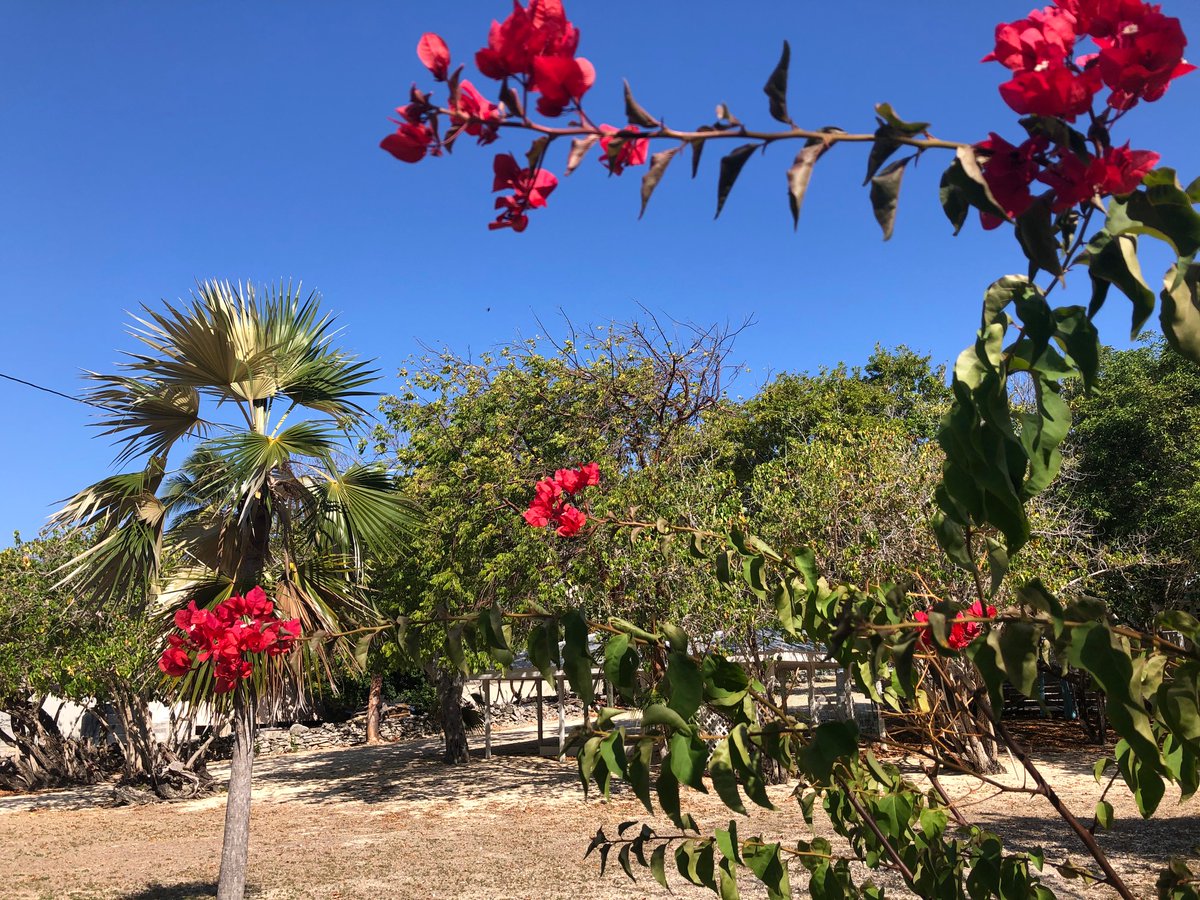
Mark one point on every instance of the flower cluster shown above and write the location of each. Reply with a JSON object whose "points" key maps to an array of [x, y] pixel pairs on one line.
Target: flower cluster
{"points": [[225, 634], [551, 505], [533, 49], [961, 633], [1138, 52]]}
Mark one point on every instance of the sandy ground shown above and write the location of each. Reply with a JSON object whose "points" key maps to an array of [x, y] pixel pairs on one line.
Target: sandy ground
{"points": [[392, 821]]}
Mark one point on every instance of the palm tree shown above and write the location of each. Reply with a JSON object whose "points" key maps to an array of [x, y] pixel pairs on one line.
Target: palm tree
{"points": [[253, 394]]}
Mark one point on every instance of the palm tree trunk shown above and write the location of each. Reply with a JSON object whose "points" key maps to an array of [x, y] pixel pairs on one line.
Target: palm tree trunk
{"points": [[235, 850], [374, 705]]}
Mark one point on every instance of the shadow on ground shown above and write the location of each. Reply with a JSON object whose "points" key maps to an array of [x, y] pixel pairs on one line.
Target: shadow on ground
{"points": [[406, 773], [192, 890]]}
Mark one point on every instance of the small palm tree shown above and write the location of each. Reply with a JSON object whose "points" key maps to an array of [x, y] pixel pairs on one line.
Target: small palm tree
{"points": [[251, 391]]}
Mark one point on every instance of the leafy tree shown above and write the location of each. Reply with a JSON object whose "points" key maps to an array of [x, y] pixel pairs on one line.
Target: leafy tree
{"points": [[1137, 475], [52, 644], [470, 436], [998, 457], [226, 380]]}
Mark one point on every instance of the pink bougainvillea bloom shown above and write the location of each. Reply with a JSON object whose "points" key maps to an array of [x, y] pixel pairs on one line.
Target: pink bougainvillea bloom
{"points": [[1052, 90], [1103, 18], [628, 152], [1046, 37], [1142, 58], [433, 52], [560, 80], [408, 143], [1009, 171], [529, 188], [257, 604], [1119, 171], [571, 520], [514, 44], [590, 473], [175, 662], [476, 114]]}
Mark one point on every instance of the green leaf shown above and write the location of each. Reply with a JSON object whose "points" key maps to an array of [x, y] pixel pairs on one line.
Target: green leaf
{"points": [[658, 866], [658, 166], [727, 876], [1098, 769], [621, 665], [727, 842], [766, 862], [677, 638], [885, 194], [361, 648], [636, 114], [731, 167], [1018, 644], [1162, 210], [908, 129], [830, 742], [1180, 312], [724, 781], [997, 558], [685, 684], [661, 714], [577, 664], [542, 647], [687, 760], [953, 540], [1035, 232], [881, 150], [776, 87], [800, 173], [667, 789], [1104, 814], [623, 859], [1080, 339], [454, 649], [963, 187], [639, 771], [1113, 259], [725, 682]]}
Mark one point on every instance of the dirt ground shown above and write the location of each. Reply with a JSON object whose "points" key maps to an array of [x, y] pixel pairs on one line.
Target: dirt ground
{"points": [[392, 821]]}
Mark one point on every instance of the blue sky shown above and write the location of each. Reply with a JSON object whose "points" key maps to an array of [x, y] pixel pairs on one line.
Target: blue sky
{"points": [[147, 146]]}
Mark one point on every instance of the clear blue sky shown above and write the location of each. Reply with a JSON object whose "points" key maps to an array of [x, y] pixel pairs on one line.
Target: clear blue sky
{"points": [[148, 145]]}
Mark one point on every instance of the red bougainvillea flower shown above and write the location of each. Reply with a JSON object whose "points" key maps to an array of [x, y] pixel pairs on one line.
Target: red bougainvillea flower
{"points": [[1046, 37], [529, 188], [514, 44], [1119, 171], [561, 80], [626, 152], [549, 505], [1052, 90], [476, 114], [234, 628], [175, 662], [434, 53], [1009, 171], [961, 633], [572, 520], [545, 497], [408, 143], [1101, 18], [1142, 58]]}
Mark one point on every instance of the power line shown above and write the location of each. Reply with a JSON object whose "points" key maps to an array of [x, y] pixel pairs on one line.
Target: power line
{"points": [[58, 393]]}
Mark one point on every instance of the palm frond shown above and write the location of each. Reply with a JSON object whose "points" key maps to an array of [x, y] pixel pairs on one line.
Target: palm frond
{"points": [[361, 509], [148, 416], [129, 520]]}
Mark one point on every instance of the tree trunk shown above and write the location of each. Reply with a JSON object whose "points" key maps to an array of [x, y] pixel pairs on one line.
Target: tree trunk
{"points": [[450, 691], [235, 850], [374, 706]]}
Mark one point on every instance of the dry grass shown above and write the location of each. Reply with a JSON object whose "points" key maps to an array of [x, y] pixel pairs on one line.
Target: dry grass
{"points": [[392, 821]]}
